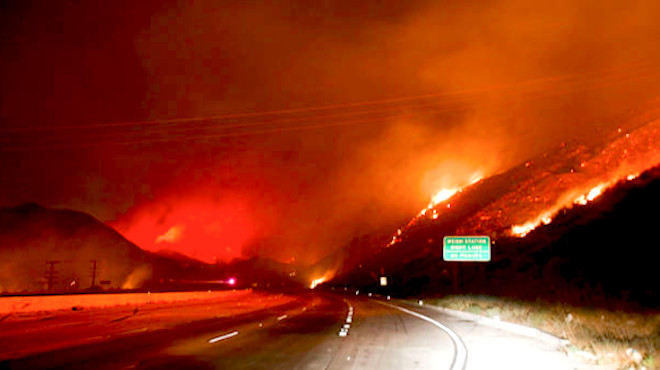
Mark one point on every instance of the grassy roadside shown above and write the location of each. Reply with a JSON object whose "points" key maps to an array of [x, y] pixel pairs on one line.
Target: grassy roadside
{"points": [[626, 340]]}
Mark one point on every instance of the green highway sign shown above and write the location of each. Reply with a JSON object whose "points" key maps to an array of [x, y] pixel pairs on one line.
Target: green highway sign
{"points": [[466, 248]]}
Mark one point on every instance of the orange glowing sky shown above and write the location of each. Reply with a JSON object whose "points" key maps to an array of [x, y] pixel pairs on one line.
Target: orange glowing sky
{"points": [[204, 228], [285, 129]]}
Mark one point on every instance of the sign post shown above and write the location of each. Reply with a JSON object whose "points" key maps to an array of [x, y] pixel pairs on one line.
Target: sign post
{"points": [[466, 248]]}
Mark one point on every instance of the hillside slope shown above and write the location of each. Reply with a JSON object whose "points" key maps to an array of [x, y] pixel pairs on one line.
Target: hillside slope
{"points": [[31, 235], [601, 252]]}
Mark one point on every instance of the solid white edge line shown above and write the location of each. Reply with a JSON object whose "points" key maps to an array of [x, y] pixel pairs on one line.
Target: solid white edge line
{"points": [[460, 350], [223, 337]]}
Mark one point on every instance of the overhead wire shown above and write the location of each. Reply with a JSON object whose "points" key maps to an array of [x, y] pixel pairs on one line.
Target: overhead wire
{"points": [[537, 82], [288, 120]]}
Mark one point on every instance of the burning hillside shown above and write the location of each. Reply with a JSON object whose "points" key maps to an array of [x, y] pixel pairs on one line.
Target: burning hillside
{"points": [[517, 201], [559, 224], [600, 253]]}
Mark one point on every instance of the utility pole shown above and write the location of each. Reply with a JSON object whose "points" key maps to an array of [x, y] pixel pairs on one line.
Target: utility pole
{"points": [[51, 274], [92, 267]]}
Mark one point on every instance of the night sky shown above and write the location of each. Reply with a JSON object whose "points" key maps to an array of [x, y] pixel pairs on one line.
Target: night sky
{"points": [[283, 129]]}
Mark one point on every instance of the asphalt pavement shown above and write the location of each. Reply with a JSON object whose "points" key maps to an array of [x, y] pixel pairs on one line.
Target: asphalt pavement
{"points": [[311, 330]]}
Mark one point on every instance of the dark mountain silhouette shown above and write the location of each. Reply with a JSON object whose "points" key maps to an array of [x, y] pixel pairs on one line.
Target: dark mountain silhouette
{"points": [[31, 235], [86, 254]]}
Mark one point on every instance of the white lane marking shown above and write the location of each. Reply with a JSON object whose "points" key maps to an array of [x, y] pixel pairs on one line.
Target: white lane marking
{"points": [[282, 317], [344, 330], [223, 337], [460, 350]]}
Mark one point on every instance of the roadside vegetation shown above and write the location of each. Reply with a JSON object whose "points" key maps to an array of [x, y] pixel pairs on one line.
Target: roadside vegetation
{"points": [[623, 339]]}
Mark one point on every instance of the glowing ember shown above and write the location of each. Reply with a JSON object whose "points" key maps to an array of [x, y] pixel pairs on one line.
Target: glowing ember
{"points": [[581, 200], [395, 239], [594, 193], [316, 282], [523, 230]]}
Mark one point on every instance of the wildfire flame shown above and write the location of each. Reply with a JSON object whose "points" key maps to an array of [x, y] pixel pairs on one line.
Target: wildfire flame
{"points": [[316, 282], [523, 230], [584, 199], [569, 176], [174, 234], [594, 193], [441, 196]]}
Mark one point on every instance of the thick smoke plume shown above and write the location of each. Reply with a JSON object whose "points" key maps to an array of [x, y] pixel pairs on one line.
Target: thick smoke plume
{"points": [[439, 93]]}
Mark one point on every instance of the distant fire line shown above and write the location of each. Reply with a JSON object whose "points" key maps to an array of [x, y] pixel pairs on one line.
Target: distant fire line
{"points": [[524, 229], [440, 197]]}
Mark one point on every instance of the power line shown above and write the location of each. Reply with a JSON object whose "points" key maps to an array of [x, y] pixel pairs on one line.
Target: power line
{"points": [[537, 82], [314, 117]]}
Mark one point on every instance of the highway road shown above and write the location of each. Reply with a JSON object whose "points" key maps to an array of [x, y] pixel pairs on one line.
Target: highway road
{"points": [[308, 330]]}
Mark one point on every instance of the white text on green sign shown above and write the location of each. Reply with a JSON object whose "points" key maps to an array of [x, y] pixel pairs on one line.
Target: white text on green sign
{"points": [[466, 248]]}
